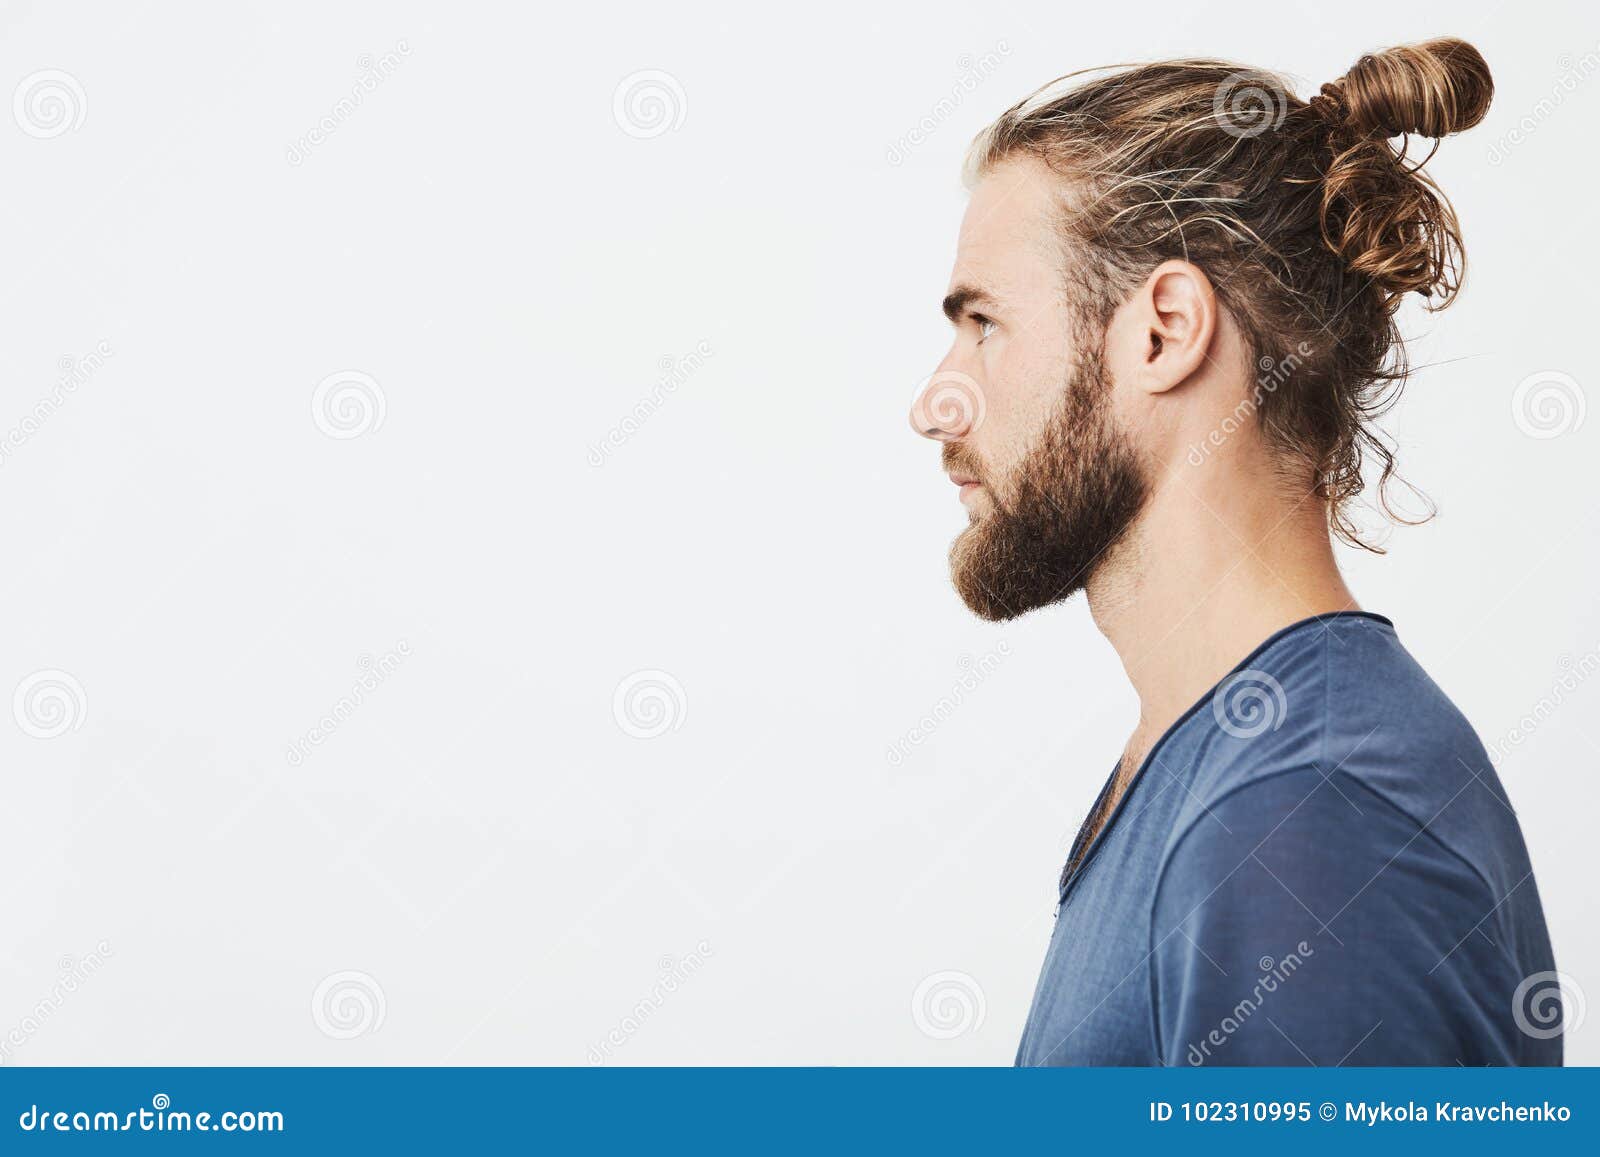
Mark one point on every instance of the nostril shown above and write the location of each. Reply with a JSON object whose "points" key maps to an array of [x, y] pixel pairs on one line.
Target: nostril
{"points": [[924, 424], [949, 405]]}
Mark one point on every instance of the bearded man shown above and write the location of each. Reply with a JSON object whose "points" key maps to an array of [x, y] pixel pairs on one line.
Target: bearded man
{"points": [[1174, 305]]}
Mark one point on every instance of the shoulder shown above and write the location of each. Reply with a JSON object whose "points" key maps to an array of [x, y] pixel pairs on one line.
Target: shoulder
{"points": [[1342, 713], [1341, 812], [1406, 950]]}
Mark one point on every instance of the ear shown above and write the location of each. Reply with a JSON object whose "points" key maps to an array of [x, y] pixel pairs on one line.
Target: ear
{"points": [[1171, 321]]}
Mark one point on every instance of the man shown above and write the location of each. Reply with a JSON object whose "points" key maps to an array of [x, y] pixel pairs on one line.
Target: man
{"points": [[1174, 301]]}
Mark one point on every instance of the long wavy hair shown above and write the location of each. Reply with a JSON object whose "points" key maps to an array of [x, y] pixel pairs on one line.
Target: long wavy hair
{"points": [[1310, 222]]}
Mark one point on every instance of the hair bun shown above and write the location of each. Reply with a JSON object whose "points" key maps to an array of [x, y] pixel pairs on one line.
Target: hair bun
{"points": [[1433, 89]]}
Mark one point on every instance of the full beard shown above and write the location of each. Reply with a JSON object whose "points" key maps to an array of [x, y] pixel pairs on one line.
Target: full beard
{"points": [[1060, 511]]}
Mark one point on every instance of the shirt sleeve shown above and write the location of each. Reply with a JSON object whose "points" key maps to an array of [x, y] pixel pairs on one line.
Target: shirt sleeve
{"points": [[1303, 920]]}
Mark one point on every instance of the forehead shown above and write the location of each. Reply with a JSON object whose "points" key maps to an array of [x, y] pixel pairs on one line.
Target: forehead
{"points": [[1009, 243]]}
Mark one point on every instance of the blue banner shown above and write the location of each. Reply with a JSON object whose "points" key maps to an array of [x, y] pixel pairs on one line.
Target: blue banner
{"points": [[802, 1110]]}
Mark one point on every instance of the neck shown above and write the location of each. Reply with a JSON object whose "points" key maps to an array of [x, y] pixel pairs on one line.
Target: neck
{"points": [[1203, 577]]}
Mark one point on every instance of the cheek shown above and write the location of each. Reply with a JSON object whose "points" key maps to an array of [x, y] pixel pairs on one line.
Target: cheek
{"points": [[1023, 392]]}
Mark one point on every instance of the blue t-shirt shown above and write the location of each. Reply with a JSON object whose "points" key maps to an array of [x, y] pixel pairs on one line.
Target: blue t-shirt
{"points": [[1316, 864]]}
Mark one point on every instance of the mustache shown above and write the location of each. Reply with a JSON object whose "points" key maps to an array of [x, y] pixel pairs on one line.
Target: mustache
{"points": [[958, 458]]}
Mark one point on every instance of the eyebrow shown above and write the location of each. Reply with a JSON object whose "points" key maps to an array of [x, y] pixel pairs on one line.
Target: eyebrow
{"points": [[959, 299]]}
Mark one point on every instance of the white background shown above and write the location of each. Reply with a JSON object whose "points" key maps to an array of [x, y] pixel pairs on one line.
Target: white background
{"points": [[504, 864]]}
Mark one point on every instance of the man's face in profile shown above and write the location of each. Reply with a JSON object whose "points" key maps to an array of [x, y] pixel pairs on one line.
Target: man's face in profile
{"points": [[1025, 409]]}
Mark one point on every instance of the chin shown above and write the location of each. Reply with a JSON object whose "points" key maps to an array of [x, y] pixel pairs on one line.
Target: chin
{"points": [[990, 591], [1001, 577]]}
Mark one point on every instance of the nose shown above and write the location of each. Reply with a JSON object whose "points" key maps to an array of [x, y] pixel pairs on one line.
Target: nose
{"points": [[948, 406]]}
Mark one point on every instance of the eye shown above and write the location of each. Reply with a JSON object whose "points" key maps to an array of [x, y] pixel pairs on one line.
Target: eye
{"points": [[985, 327]]}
